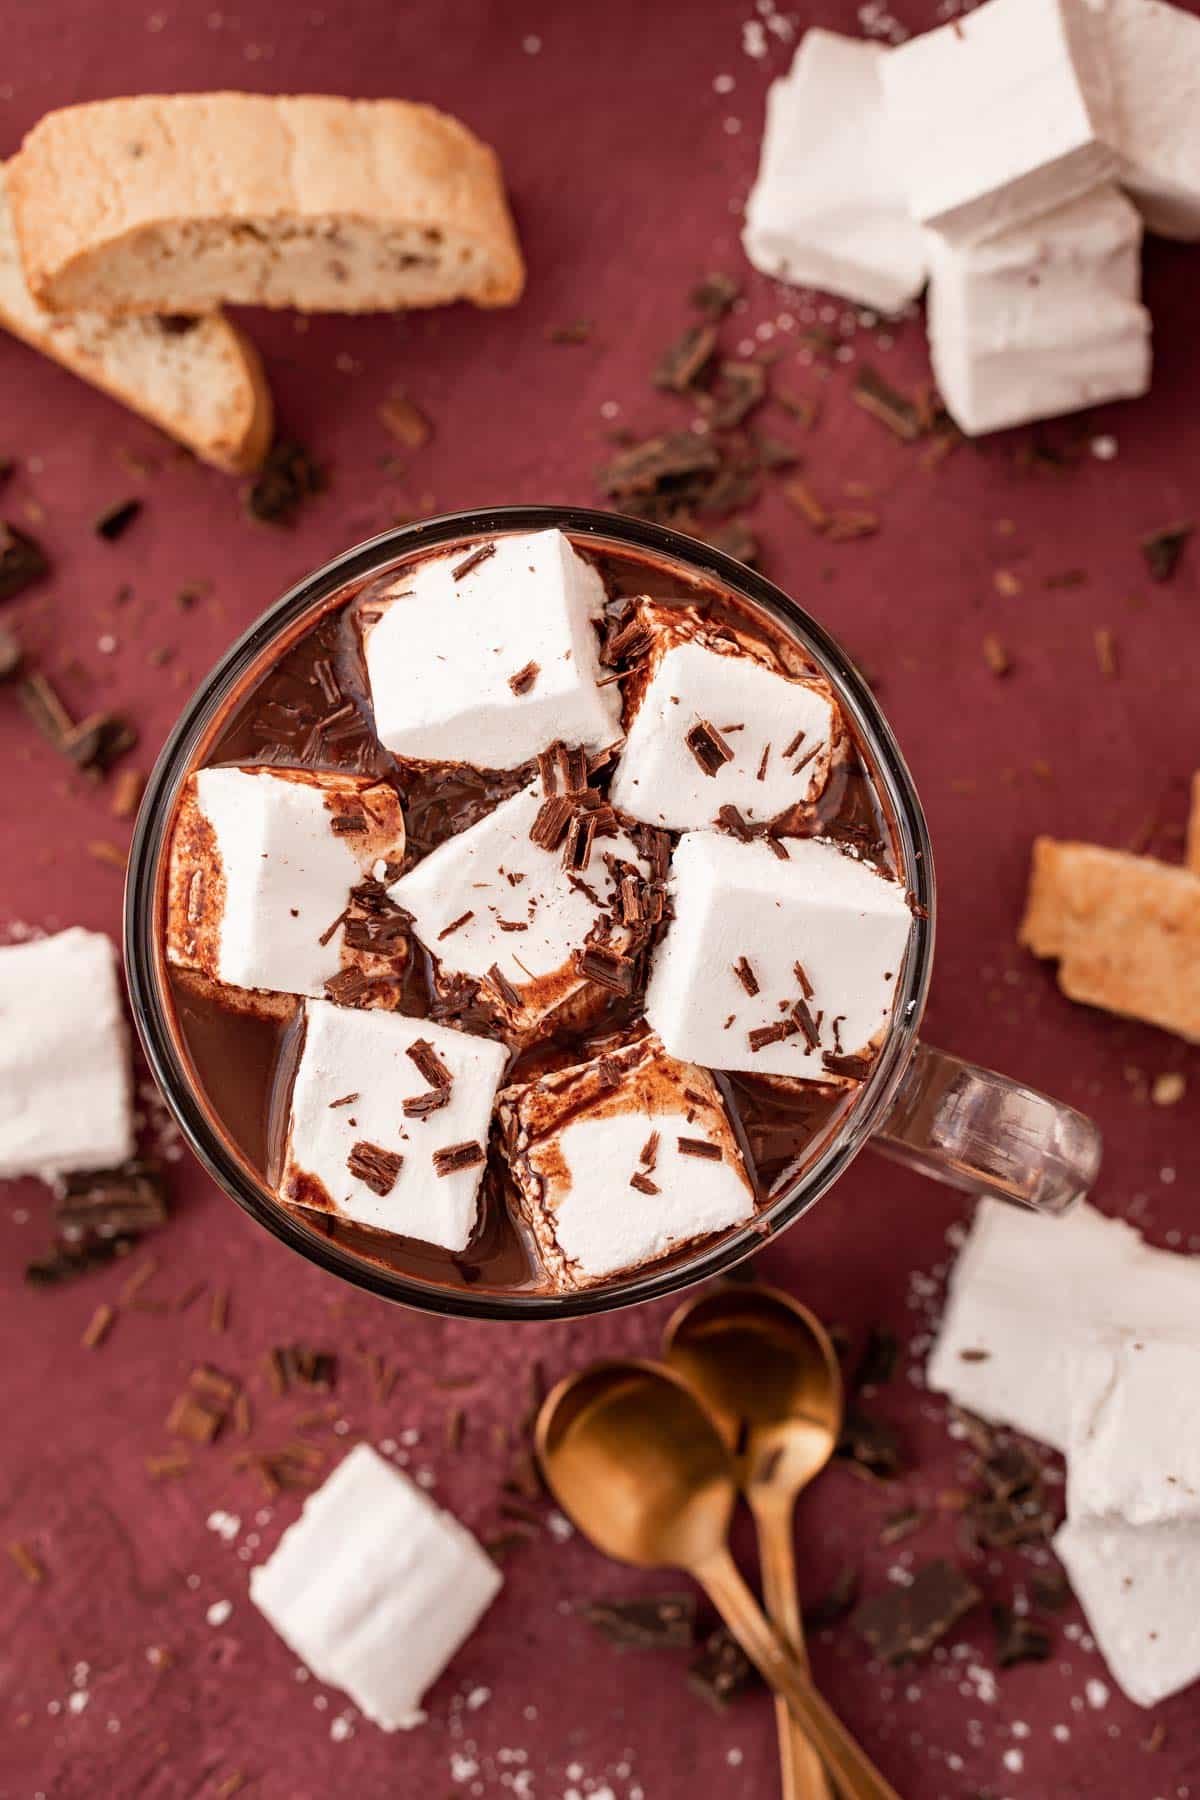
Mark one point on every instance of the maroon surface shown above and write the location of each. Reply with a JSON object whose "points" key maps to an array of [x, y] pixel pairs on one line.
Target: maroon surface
{"points": [[627, 168]]}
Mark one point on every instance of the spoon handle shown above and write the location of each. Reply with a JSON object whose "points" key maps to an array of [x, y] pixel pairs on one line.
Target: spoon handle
{"points": [[803, 1775], [850, 1766]]}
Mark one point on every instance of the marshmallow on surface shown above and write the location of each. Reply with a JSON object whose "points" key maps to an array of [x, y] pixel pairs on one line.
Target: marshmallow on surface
{"points": [[444, 652], [1002, 114], [464, 894], [66, 1090], [366, 1056], [758, 714], [375, 1588], [1133, 1449], [820, 919], [1140, 1591], [263, 861], [596, 1155], [827, 209], [1154, 53], [1042, 320]]}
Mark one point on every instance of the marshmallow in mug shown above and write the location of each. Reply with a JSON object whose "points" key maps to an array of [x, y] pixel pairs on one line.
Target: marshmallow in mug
{"points": [[487, 655], [783, 964]]}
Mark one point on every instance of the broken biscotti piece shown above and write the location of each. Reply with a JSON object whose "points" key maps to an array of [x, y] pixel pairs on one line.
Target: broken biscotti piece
{"points": [[533, 904], [375, 1587], [265, 866], [621, 1160], [389, 1122], [1140, 1592], [200, 380], [178, 203], [828, 209], [489, 653], [784, 965], [1044, 319], [714, 726], [1002, 114], [1154, 52], [1126, 931], [66, 1090]]}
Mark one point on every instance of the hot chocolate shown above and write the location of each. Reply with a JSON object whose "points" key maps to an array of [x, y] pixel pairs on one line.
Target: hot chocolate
{"points": [[532, 913]]}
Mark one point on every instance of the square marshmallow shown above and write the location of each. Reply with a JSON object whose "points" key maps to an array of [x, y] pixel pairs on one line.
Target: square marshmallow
{"points": [[1133, 1449], [464, 894], [356, 1072], [1028, 1291], [738, 906], [827, 209], [375, 1587], [1154, 54], [605, 1161], [1002, 114], [66, 1090], [446, 650], [1044, 319], [262, 864], [758, 714], [1140, 1591]]}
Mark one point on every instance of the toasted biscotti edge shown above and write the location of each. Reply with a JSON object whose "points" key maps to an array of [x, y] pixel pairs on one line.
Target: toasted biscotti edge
{"points": [[99, 180]]}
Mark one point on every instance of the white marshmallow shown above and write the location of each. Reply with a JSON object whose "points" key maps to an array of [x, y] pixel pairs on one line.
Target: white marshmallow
{"points": [[471, 873], [1043, 319], [827, 209], [1004, 113], [442, 655], [365, 1054], [375, 1587], [1133, 1447], [258, 874], [575, 1141], [1140, 1590], [66, 1092], [845, 923], [1028, 1291], [1154, 53], [659, 779]]}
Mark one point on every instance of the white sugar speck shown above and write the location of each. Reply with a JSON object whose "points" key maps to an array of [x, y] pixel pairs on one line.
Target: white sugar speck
{"points": [[219, 1612], [1014, 1761], [1096, 1694]]}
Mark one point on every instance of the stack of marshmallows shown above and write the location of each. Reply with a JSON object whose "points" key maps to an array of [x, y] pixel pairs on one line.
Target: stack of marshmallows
{"points": [[1080, 1334], [1009, 159]]}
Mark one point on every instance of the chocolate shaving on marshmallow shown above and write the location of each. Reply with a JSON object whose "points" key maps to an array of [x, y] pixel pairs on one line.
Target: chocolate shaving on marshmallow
{"points": [[566, 1134], [441, 654]]}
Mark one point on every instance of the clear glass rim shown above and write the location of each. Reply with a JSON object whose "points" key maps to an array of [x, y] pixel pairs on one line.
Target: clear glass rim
{"points": [[144, 969]]}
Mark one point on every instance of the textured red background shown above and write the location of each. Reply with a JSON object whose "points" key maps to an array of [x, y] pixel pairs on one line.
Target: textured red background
{"points": [[628, 167]]}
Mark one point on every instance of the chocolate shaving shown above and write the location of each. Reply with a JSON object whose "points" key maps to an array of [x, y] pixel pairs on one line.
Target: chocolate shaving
{"points": [[877, 1364], [349, 986], [421, 1105], [643, 1183], [630, 890], [116, 520], [577, 852], [906, 1622], [457, 1156], [795, 744], [708, 747], [761, 775], [550, 826], [456, 924], [1161, 549], [657, 463], [648, 1156], [523, 680], [746, 975], [464, 568], [730, 819], [22, 560], [348, 824], [503, 986], [123, 1202], [721, 1671], [738, 389], [665, 1622], [856, 1067], [806, 1023], [1019, 1638], [607, 968], [777, 847], [429, 1063], [713, 295], [870, 1443], [628, 642], [887, 404], [405, 421], [690, 1146], [836, 1602], [772, 1034], [288, 478], [683, 362], [346, 1100], [374, 1166], [806, 986]]}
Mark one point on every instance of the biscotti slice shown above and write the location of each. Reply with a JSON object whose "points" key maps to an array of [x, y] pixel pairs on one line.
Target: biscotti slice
{"points": [[196, 378], [174, 204]]}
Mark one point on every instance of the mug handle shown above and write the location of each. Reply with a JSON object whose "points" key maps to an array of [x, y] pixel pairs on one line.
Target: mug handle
{"points": [[981, 1132]]}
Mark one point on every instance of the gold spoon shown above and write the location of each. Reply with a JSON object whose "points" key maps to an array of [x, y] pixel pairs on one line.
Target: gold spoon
{"points": [[768, 1374], [634, 1460]]}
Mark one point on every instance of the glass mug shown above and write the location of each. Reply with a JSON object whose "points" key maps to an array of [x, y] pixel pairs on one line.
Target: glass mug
{"points": [[958, 1123]]}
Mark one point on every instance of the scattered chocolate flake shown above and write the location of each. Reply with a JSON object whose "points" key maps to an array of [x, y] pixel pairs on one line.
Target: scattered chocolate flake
{"points": [[791, 749], [609, 1071], [806, 1024], [885, 403], [713, 295], [349, 986], [218, 1309], [746, 975], [856, 1068], [683, 362], [722, 1671], [630, 892], [429, 1063], [376, 1167], [578, 331], [112, 1203], [877, 1364], [663, 1622], [1157, 1738], [572, 767], [1009, 1470], [457, 1156], [648, 1156], [799, 495], [163, 1468], [127, 793], [26, 1562], [607, 968], [901, 1524], [503, 986], [523, 680], [288, 478], [708, 747], [1019, 1638], [1106, 652], [763, 1035], [461, 570], [1161, 549], [581, 833], [836, 1602], [658, 463], [846, 524], [871, 1443], [98, 1327], [421, 1105], [995, 655], [690, 1146], [189, 1418], [95, 743], [22, 560], [348, 824], [777, 847], [627, 642], [806, 986], [643, 1183], [105, 851], [902, 1623], [761, 774], [1050, 1589], [455, 924], [737, 390], [999, 1523], [730, 820], [773, 453], [116, 520], [405, 421]]}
